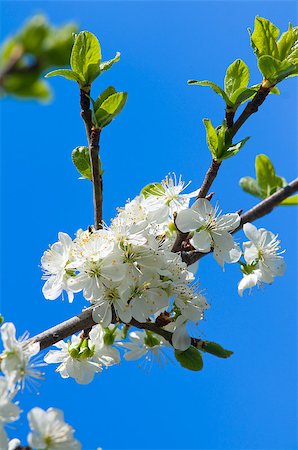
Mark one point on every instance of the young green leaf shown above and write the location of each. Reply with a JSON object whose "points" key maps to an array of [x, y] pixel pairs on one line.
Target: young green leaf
{"points": [[237, 76], [86, 56], [27, 86], [287, 44], [290, 201], [265, 172], [211, 135], [106, 65], [250, 186], [33, 35], [218, 90], [232, 149], [241, 95], [217, 350], [110, 108], [190, 359], [263, 38], [81, 159], [274, 91], [103, 96], [275, 70], [267, 181], [66, 73]]}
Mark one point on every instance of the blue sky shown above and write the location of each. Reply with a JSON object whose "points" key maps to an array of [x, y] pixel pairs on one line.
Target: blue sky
{"points": [[246, 402]]}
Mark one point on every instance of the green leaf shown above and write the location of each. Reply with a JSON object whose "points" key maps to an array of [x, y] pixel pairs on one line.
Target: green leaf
{"points": [[212, 139], [224, 140], [233, 149], [263, 38], [241, 95], [110, 108], [106, 65], [81, 159], [190, 359], [250, 186], [265, 172], [86, 56], [217, 350], [39, 90], [267, 181], [286, 43], [290, 201], [152, 189], [275, 70], [65, 73], [57, 46], [274, 90], [215, 88], [237, 76], [33, 34], [27, 86], [103, 96]]}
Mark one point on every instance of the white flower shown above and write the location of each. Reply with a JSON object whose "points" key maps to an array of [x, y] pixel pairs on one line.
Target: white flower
{"points": [[9, 412], [180, 339], [76, 359], [144, 343], [104, 352], [191, 304], [249, 280], [49, 431], [110, 298], [54, 263], [264, 262], [15, 360], [210, 230], [146, 297], [165, 198], [14, 444]]}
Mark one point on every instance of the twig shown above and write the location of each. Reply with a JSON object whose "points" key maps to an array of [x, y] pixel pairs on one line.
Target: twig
{"points": [[209, 178], [86, 112], [251, 108], [96, 177], [93, 136], [232, 128], [84, 320], [230, 113]]}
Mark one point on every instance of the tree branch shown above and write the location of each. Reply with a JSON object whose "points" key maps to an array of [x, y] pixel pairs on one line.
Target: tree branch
{"points": [[84, 320]]}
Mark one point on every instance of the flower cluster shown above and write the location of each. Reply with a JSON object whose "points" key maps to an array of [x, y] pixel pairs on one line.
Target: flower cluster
{"points": [[128, 268], [127, 271]]}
